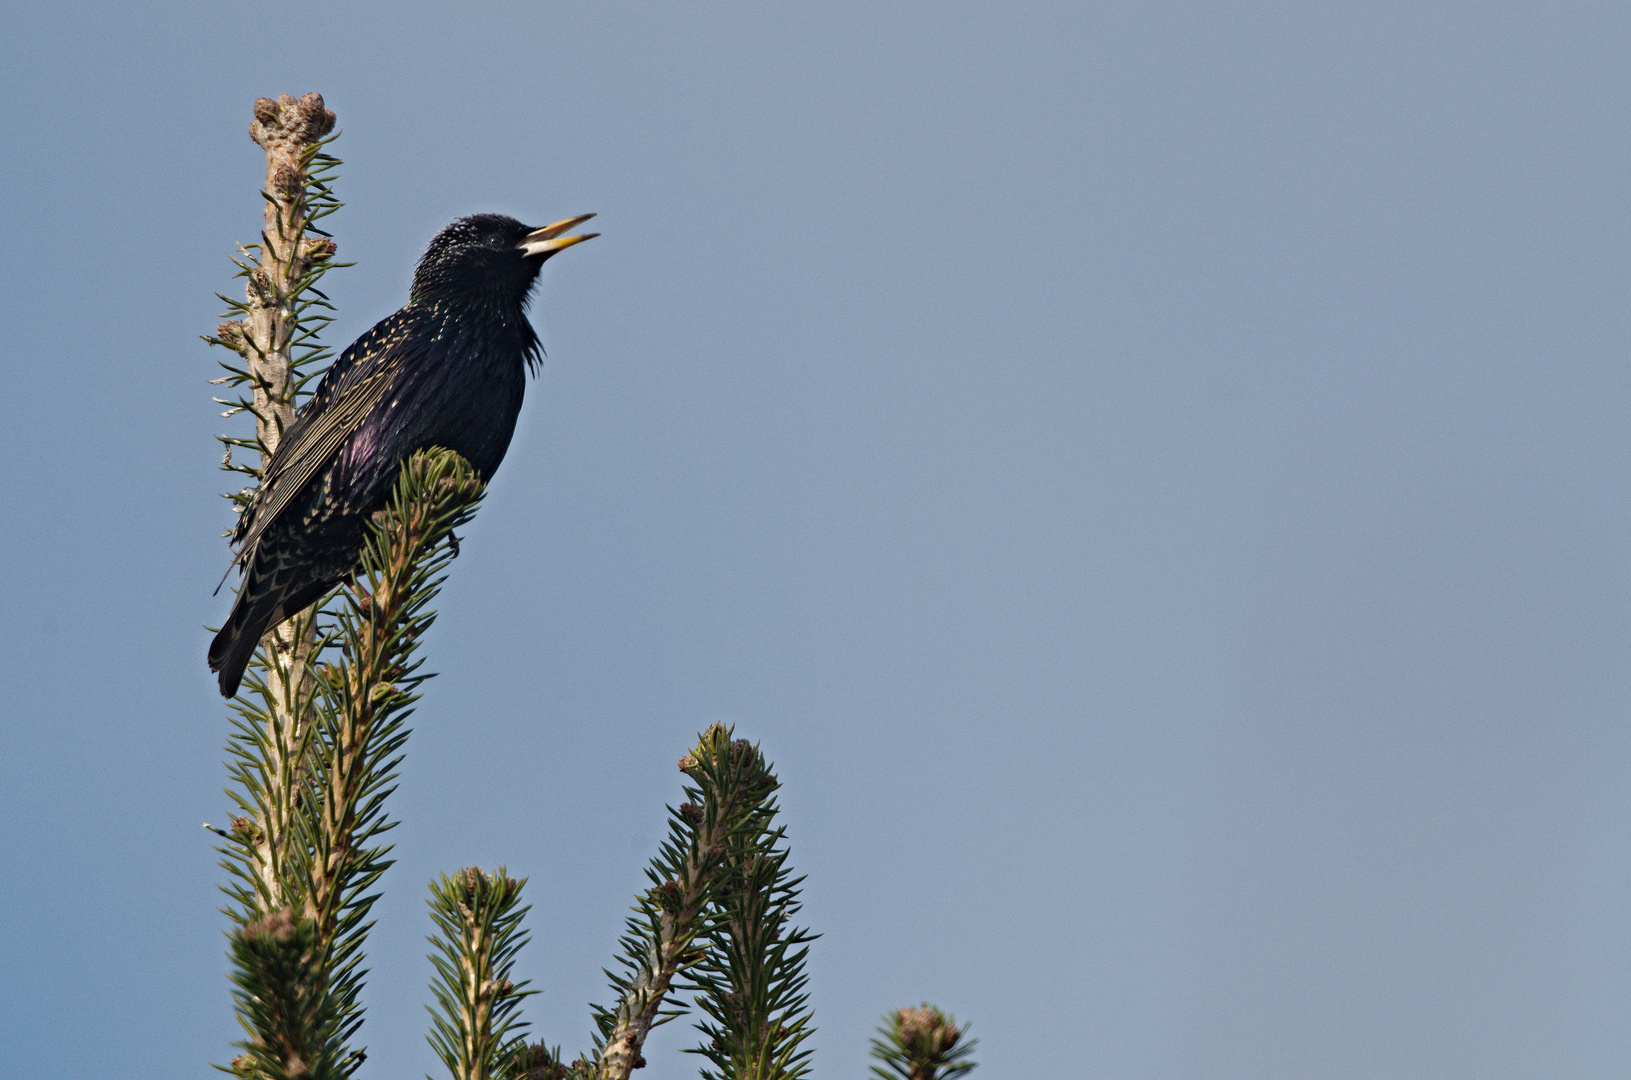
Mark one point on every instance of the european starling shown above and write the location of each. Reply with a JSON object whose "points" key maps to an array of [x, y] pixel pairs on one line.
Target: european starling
{"points": [[447, 370]]}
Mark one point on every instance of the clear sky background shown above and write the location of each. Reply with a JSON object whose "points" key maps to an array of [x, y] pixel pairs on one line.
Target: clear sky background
{"points": [[1153, 478]]}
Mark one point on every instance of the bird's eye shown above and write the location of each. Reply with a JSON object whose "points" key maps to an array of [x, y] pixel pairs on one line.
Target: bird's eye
{"points": [[495, 240]]}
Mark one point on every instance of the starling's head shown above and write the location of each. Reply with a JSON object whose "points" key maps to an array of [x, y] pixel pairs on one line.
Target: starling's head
{"points": [[490, 256]]}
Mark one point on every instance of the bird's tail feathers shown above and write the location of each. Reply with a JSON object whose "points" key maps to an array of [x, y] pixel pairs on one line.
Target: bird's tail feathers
{"points": [[235, 645], [252, 616]]}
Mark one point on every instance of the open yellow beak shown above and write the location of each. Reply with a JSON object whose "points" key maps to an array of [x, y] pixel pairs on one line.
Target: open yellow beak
{"points": [[548, 240]]}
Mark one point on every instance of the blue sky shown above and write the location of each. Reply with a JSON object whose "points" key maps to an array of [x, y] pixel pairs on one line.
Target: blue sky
{"points": [[1153, 478]]}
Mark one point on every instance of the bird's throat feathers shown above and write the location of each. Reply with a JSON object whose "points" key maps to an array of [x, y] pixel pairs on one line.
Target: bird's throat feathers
{"points": [[488, 324]]}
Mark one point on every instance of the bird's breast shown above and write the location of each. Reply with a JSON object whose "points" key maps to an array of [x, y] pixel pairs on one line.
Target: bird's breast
{"points": [[468, 402], [465, 397]]}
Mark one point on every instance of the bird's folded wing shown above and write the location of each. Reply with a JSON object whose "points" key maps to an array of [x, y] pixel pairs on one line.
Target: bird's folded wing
{"points": [[358, 381]]}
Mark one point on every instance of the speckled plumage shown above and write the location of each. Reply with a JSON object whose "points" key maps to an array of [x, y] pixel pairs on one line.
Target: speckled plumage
{"points": [[447, 370]]}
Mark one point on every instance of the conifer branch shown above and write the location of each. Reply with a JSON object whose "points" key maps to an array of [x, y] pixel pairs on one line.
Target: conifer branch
{"points": [[283, 1003], [751, 982], [921, 1044], [333, 853], [729, 785], [366, 698], [478, 923], [270, 763], [273, 736], [286, 265]]}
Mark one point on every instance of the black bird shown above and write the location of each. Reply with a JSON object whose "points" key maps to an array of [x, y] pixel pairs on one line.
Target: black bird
{"points": [[447, 370]]}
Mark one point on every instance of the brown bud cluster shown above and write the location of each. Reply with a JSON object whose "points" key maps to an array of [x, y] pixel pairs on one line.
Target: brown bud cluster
{"points": [[316, 249], [475, 881], [275, 924], [668, 896], [244, 831], [287, 181], [691, 813], [260, 286], [286, 120], [927, 1032], [231, 334]]}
